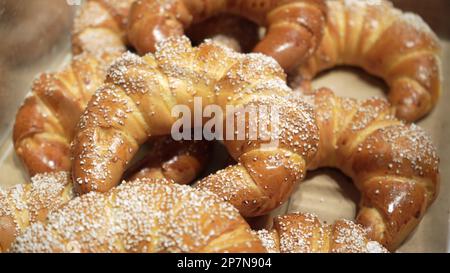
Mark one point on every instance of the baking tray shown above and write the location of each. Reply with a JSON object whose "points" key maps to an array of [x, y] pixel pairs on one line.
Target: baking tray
{"points": [[326, 192]]}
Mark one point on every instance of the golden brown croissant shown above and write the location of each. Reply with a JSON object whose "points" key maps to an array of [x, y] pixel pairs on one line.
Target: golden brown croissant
{"points": [[100, 27], [147, 113], [396, 46], [46, 120], [395, 166], [294, 27], [142, 216], [25, 204], [304, 233]]}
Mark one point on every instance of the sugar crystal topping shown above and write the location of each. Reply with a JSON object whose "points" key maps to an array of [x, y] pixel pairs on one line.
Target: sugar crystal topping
{"points": [[350, 237], [45, 192], [267, 240], [139, 216], [304, 233], [409, 145]]}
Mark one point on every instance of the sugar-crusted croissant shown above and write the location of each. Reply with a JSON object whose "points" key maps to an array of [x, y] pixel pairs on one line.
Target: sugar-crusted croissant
{"points": [[100, 28], [138, 95], [143, 216], [305, 233], [25, 204], [294, 26], [46, 120], [397, 46], [394, 165]]}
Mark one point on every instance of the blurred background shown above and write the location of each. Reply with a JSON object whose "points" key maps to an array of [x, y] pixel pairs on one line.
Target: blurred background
{"points": [[35, 38]]}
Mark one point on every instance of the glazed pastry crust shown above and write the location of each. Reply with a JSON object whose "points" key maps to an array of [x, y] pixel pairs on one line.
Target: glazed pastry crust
{"points": [[397, 46], [24, 204], [46, 120], [294, 27], [143, 216], [304, 233], [394, 165]]}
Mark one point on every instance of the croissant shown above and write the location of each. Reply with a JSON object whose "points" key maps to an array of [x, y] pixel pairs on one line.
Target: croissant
{"points": [[294, 26], [25, 204], [304, 233], [45, 122], [386, 42], [394, 166], [143, 216], [379, 152]]}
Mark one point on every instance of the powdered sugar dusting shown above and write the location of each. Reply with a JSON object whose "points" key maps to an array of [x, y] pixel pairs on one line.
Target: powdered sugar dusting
{"points": [[143, 216], [268, 240], [25, 202], [304, 233]]}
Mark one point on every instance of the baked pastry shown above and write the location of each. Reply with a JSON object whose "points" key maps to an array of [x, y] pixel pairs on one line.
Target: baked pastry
{"points": [[396, 46], [294, 27], [394, 165], [100, 26], [136, 113], [304, 233], [143, 216], [25, 204], [363, 139], [45, 122]]}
